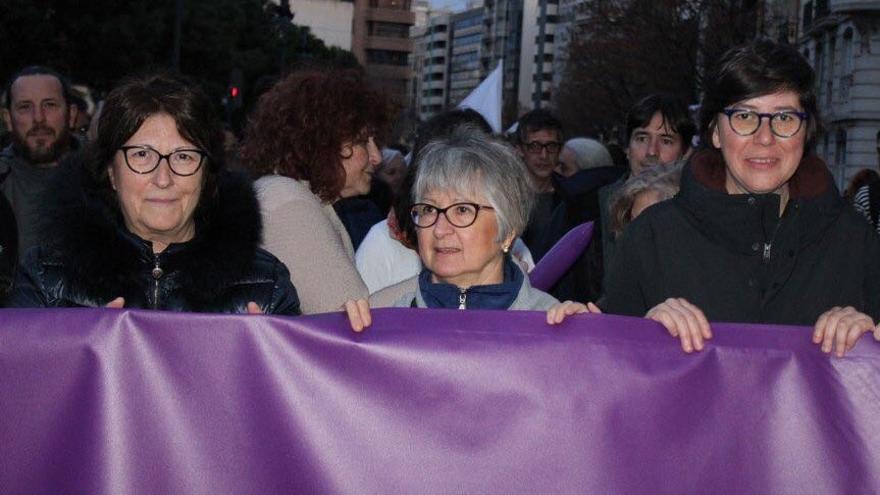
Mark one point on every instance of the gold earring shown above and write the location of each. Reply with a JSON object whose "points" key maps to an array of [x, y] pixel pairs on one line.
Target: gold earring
{"points": [[505, 248]]}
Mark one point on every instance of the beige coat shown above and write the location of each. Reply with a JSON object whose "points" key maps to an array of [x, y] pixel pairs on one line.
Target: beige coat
{"points": [[308, 237]]}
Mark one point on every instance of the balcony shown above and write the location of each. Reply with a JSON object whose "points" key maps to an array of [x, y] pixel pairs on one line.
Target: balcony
{"points": [[386, 43], [848, 6], [384, 71], [390, 15]]}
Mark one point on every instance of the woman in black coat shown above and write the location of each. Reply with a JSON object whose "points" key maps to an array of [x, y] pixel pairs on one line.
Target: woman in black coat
{"points": [[758, 232], [153, 220]]}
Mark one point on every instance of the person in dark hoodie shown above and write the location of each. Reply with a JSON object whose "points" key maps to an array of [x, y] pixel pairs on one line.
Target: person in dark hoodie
{"points": [[758, 232], [150, 219]]}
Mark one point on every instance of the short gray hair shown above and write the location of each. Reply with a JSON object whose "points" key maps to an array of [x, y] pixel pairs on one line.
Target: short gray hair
{"points": [[469, 162], [589, 153]]}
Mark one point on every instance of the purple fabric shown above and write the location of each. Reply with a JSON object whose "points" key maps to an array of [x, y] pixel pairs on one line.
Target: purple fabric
{"points": [[561, 256], [104, 401]]}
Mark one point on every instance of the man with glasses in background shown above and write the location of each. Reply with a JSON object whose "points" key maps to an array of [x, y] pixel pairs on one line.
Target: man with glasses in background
{"points": [[539, 140]]}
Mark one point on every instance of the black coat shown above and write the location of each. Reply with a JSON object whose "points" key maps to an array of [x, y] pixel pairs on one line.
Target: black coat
{"points": [[96, 259], [8, 246], [735, 258]]}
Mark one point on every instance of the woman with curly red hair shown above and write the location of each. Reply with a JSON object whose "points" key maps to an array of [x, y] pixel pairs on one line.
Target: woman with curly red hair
{"points": [[312, 141]]}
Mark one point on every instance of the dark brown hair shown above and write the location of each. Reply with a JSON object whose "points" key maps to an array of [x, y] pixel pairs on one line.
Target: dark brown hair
{"points": [[135, 100], [756, 69], [301, 124]]}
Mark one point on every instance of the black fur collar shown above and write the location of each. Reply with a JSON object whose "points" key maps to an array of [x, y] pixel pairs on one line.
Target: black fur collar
{"points": [[100, 258]]}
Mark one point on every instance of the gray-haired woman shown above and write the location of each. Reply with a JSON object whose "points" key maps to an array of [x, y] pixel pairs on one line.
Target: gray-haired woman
{"points": [[472, 197], [652, 186]]}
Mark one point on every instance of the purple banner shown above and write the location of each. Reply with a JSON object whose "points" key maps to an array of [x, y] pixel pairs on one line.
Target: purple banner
{"points": [[426, 401]]}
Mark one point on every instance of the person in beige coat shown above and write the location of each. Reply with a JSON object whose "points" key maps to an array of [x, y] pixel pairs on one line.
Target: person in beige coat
{"points": [[312, 141]]}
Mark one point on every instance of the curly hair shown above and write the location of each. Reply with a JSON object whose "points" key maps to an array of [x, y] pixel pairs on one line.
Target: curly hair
{"points": [[300, 126]]}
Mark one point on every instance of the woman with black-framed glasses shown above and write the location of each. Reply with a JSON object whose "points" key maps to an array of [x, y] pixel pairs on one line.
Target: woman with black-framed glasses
{"points": [[758, 232], [155, 221], [473, 196]]}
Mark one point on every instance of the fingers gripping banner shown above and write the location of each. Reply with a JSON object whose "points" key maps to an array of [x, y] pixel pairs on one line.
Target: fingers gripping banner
{"points": [[102, 401]]}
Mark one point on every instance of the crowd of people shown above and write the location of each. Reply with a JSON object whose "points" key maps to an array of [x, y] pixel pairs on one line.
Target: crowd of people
{"points": [[734, 219]]}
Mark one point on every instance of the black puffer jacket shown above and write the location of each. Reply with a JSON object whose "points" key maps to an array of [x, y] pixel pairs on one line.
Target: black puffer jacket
{"points": [[96, 259], [735, 258]]}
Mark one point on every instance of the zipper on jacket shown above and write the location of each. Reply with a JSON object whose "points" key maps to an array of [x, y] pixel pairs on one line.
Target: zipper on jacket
{"points": [[462, 299], [157, 273], [768, 246]]}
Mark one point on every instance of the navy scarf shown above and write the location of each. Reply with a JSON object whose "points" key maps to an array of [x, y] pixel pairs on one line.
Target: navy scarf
{"points": [[493, 296]]}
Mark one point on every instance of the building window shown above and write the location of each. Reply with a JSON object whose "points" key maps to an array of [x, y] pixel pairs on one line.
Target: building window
{"points": [[808, 15], [468, 22], [387, 57], [840, 148], [388, 29], [437, 44], [469, 39], [832, 48], [848, 51], [463, 58]]}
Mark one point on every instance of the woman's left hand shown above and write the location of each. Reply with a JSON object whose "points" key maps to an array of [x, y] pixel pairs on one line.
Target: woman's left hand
{"points": [[560, 310], [840, 328], [358, 312]]}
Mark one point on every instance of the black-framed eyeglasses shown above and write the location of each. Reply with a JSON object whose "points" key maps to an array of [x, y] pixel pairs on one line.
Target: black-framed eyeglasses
{"points": [[783, 124], [458, 214], [536, 147], [144, 159]]}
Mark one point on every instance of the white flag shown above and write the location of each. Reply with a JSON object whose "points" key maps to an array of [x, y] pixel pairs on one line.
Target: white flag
{"points": [[486, 98]]}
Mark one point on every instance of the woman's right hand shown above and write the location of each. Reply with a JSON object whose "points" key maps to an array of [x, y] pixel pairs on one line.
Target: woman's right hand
{"points": [[358, 314], [117, 303], [683, 320]]}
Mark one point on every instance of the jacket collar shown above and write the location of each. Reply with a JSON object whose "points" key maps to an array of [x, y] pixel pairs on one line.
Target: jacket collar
{"points": [[492, 296], [740, 220], [100, 256], [811, 180]]}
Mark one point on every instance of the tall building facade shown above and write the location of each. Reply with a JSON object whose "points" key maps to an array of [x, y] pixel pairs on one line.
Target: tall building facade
{"points": [[381, 42], [538, 53], [502, 39], [841, 39], [465, 69], [430, 64]]}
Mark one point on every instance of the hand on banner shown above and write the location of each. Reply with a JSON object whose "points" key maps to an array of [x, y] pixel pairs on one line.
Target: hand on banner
{"points": [[683, 320], [254, 308], [560, 310], [117, 303], [358, 314], [840, 328]]}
